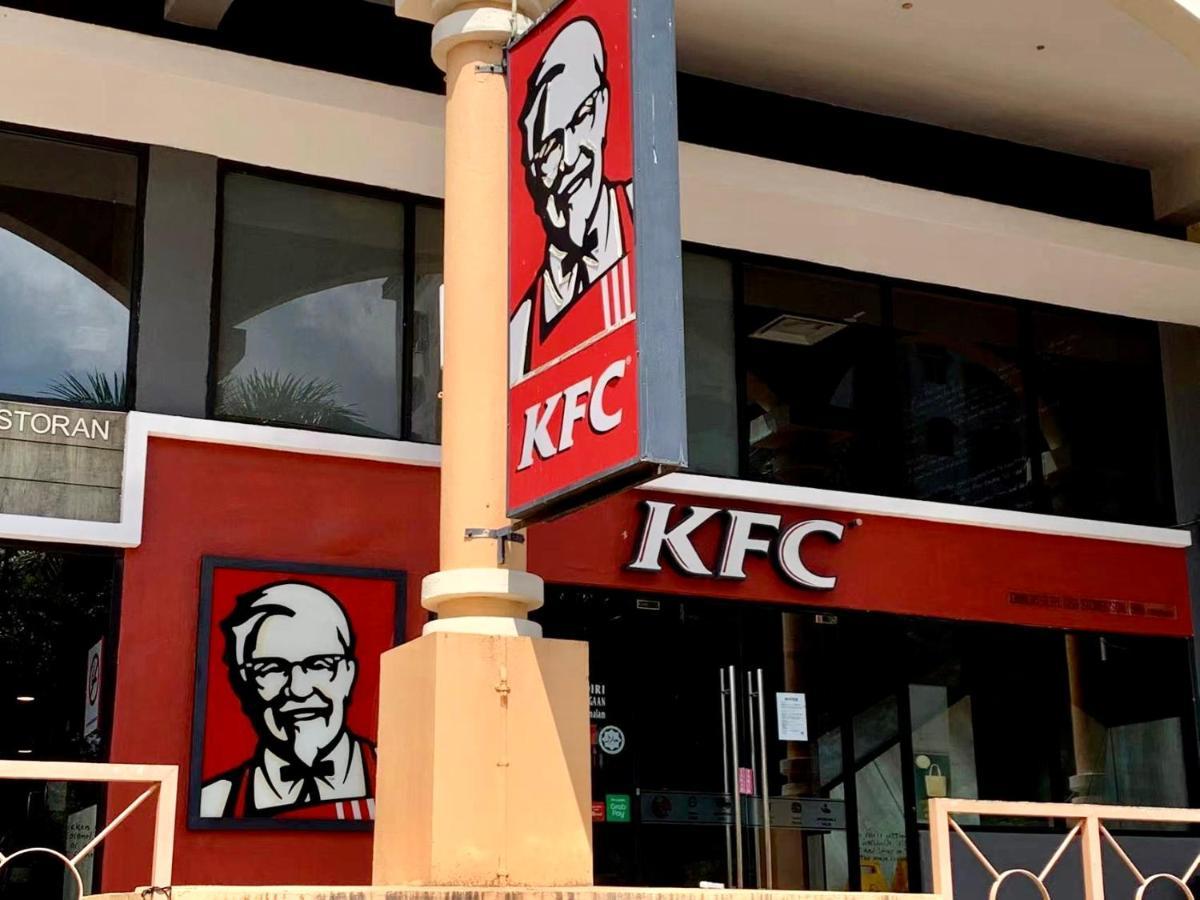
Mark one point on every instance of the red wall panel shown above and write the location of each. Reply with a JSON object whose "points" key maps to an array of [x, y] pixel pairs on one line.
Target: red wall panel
{"points": [[207, 499]]}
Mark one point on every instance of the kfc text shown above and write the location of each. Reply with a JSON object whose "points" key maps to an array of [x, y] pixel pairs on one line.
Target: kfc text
{"points": [[783, 546], [584, 399]]}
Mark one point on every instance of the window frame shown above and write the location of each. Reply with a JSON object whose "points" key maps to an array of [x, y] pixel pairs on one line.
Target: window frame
{"points": [[410, 203], [1026, 354], [141, 155]]}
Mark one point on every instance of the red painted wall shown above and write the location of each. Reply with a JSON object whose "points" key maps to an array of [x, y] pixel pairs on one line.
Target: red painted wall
{"points": [[894, 565], [207, 499]]}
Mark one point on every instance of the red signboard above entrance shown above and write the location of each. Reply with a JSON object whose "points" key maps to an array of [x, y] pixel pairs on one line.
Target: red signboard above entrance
{"points": [[774, 553], [596, 396]]}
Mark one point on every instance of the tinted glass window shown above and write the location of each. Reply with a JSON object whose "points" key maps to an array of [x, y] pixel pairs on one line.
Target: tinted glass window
{"points": [[962, 401], [815, 379], [426, 388], [312, 307], [56, 652], [711, 374], [68, 224], [1100, 416], [868, 384]]}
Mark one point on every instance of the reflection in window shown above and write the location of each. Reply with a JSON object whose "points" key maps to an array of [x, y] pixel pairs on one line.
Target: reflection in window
{"points": [[68, 218], [426, 390], [710, 366], [312, 298], [814, 379], [1100, 414], [962, 401]]}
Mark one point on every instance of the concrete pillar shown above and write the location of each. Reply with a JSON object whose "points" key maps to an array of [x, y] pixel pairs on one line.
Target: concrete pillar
{"points": [[484, 742], [473, 592], [1087, 733]]}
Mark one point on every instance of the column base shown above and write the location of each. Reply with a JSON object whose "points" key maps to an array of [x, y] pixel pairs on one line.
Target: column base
{"points": [[484, 774]]}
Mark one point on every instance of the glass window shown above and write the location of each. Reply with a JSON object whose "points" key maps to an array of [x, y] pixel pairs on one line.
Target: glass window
{"points": [[1101, 416], [710, 365], [55, 609], [68, 230], [815, 379], [312, 307], [962, 401], [426, 390]]}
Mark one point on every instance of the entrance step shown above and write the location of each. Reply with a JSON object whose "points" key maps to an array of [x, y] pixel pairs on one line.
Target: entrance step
{"points": [[598, 893]]}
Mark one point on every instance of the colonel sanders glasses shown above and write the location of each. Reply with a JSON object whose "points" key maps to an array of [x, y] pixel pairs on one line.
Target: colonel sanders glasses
{"points": [[270, 674]]}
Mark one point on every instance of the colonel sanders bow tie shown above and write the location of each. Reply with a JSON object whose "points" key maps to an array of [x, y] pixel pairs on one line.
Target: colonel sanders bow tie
{"points": [[307, 776]]}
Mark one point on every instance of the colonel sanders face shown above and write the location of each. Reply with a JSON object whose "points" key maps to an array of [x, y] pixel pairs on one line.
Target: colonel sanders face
{"points": [[564, 125], [293, 668]]}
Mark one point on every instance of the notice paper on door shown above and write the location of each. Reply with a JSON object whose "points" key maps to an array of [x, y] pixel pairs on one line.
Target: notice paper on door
{"points": [[791, 712]]}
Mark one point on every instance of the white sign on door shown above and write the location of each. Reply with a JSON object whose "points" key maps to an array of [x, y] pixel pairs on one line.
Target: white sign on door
{"points": [[91, 707], [81, 828], [791, 712]]}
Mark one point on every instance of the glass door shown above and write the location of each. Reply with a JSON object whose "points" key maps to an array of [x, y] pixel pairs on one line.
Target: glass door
{"points": [[790, 754], [695, 705]]}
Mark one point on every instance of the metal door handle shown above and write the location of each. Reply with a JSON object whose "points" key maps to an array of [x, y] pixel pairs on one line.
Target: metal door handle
{"points": [[725, 776], [737, 787], [766, 785]]}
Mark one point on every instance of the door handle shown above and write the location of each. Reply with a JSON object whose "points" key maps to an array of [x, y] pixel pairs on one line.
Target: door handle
{"points": [[725, 774], [766, 785]]}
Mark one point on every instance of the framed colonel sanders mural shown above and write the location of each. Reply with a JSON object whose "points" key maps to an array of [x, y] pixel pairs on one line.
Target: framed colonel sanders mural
{"points": [[596, 394], [287, 688]]}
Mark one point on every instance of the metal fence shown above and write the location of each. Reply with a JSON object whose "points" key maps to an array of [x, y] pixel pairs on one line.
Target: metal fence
{"points": [[1087, 827], [162, 784]]}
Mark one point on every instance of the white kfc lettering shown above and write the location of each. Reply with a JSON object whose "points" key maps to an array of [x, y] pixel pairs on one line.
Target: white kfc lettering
{"points": [[537, 432], [740, 540], [788, 553], [579, 400], [573, 412], [677, 540], [600, 420]]}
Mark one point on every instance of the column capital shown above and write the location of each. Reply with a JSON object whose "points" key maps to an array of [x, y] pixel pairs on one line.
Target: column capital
{"points": [[487, 24]]}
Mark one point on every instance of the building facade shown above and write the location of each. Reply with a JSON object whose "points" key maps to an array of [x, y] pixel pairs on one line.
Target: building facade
{"points": [[943, 397]]}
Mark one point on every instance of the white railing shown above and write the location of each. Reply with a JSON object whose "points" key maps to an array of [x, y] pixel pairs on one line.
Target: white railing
{"points": [[1087, 826], [162, 784]]}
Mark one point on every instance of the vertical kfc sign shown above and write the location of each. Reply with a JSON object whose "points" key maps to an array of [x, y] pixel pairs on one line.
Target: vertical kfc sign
{"points": [[596, 394]]}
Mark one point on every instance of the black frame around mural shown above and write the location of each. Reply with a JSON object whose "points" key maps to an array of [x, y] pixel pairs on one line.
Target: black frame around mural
{"points": [[208, 566]]}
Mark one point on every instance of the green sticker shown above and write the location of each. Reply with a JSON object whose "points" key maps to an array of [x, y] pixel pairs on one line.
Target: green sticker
{"points": [[618, 808]]}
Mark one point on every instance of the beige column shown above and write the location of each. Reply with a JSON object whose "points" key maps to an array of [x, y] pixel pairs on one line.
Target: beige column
{"points": [[484, 740], [1087, 734], [473, 592]]}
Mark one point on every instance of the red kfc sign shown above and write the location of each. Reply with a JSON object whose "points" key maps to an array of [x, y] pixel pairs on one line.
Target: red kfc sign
{"points": [[596, 395]]}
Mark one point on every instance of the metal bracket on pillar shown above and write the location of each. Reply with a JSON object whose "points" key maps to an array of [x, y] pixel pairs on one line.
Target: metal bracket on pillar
{"points": [[501, 536], [491, 69]]}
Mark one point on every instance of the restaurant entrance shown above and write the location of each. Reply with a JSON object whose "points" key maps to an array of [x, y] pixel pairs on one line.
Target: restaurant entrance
{"points": [[686, 713], [695, 702], [57, 642]]}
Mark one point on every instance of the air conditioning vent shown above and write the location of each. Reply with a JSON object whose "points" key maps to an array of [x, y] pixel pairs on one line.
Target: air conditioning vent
{"points": [[788, 329]]}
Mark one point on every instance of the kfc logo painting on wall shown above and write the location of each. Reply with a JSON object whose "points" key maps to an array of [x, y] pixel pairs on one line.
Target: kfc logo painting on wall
{"points": [[594, 274], [287, 688]]}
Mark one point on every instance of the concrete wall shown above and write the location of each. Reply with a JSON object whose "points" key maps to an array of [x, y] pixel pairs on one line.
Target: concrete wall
{"points": [[175, 303], [60, 463]]}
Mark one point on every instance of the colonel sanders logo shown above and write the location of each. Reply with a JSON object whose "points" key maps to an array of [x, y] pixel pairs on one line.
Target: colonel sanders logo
{"points": [[290, 657], [582, 288]]}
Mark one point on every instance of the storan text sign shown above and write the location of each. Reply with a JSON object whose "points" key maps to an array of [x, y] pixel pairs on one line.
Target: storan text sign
{"points": [[61, 463]]}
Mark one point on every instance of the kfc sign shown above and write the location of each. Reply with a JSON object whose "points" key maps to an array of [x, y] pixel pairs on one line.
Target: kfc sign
{"points": [[596, 395], [746, 533]]}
